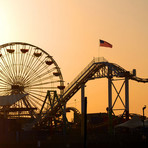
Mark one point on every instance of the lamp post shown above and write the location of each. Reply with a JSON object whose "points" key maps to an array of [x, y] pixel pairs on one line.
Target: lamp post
{"points": [[143, 114]]}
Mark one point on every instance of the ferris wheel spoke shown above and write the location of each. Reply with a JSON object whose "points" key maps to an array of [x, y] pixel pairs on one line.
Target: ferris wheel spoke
{"points": [[12, 59], [35, 95], [37, 91], [36, 100], [7, 68], [10, 63], [16, 60], [18, 65], [11, 73], [42, 87], [32, 65], [32, 113], [5, 73], [5, 93], [22, 68], [39, 84], [35, 72], [38, 63], [39, 105], [7, 59], [3, 84], [6, 81], [38, 70], [36, 77], [25, 103], [27, 61], [21, 103], [28, 67], [31, 94], [5, 90], [39, 80], [5, 77], [19, 61], [28, 104], [34, 104]]}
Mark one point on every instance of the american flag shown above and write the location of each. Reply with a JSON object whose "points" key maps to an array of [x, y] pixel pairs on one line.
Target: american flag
{"points": [[105, 44]]}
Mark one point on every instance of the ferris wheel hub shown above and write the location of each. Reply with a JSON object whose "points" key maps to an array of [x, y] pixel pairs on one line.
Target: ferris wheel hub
{"points": [[17, 88]]}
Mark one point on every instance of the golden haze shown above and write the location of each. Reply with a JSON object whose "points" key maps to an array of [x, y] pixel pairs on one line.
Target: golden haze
{"points": [[70, 32]]}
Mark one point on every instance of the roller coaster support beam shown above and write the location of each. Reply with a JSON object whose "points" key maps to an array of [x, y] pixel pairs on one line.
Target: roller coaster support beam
{"points": [[110, 98], [110, 95], [127, 97], [110, 103]]}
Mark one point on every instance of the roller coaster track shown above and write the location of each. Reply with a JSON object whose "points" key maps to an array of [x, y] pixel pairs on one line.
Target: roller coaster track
{"points": [[97, 68]]}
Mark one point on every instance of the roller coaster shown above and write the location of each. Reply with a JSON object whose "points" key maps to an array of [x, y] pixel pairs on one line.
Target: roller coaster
{"points": [[32, 86]]}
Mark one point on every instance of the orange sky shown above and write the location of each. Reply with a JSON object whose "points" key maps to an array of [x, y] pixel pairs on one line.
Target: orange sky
{"points": [[70, 30]]}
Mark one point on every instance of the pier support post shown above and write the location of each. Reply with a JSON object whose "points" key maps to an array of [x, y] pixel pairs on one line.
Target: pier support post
{"points": [[82, 98], [82, 108], [110, 103], [110, 94], [64, 119], [127, 97], [85, 122]]}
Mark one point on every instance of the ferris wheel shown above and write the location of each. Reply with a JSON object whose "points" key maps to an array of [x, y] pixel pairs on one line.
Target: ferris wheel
{"points": [[26, 73]]}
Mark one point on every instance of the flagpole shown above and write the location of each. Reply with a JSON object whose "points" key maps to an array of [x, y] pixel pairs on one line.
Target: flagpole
{"points": [[99, 49]]}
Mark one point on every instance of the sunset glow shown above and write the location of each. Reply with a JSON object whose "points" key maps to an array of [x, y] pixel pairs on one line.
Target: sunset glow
{"points": [[70, 32]]}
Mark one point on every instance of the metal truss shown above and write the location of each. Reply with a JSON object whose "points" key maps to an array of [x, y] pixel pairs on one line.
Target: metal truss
{"points": [[123, 101]]}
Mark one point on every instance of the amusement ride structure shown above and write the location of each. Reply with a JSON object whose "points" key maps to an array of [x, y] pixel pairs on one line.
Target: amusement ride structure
{"points": [[26, 73], [32, 86]]}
